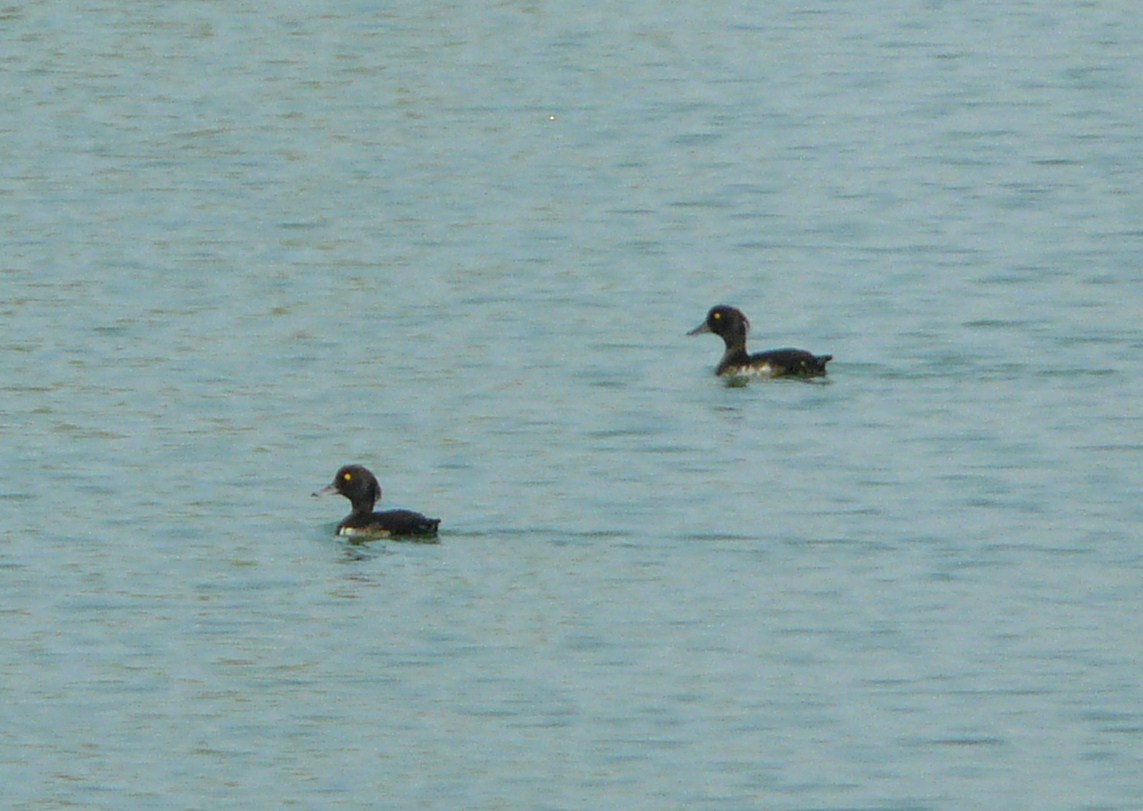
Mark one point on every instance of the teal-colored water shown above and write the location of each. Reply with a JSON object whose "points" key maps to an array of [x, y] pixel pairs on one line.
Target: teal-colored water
{"points": [[462, 245]]}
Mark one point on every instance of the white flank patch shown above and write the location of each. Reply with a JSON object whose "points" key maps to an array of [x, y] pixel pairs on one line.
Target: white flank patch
{"points": [[764, 370], [357, 532]]}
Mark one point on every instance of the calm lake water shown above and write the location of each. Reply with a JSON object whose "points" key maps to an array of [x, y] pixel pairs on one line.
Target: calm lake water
{"points": [[462, 244]]}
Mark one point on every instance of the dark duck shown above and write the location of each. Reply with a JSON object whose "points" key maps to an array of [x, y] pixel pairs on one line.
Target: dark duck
{"points": [[360, 486], [731, 325]]}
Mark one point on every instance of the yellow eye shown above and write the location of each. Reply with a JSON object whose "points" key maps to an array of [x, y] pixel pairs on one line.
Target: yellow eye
{"points": [[348, 477], [717, 316]]}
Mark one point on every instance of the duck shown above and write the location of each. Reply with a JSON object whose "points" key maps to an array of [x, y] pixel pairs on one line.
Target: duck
{"points": [[358, 484], [731, 324]]}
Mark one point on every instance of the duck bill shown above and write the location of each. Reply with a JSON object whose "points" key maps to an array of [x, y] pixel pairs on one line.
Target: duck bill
{"points": [[701, 329], [325, 491]]}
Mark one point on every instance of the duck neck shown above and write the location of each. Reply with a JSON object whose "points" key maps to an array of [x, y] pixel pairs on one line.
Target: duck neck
{"points": [[362, 509], [735, 347]]}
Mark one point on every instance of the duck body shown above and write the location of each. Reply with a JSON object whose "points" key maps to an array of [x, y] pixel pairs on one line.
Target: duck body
{"points": [[731, 325], [360, 486], [389, 524], [784, 362]]}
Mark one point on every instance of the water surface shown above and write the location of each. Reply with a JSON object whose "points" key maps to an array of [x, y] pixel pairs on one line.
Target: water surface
{"points": [[462, 245]]}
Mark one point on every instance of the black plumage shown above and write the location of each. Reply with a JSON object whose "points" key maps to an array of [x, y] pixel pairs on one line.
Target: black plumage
{"points": [[360, 486], [731, 325]]}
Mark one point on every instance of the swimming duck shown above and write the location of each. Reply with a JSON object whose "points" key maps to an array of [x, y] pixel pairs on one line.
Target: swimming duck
{"points": [[360, 486], [731, 325]]}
